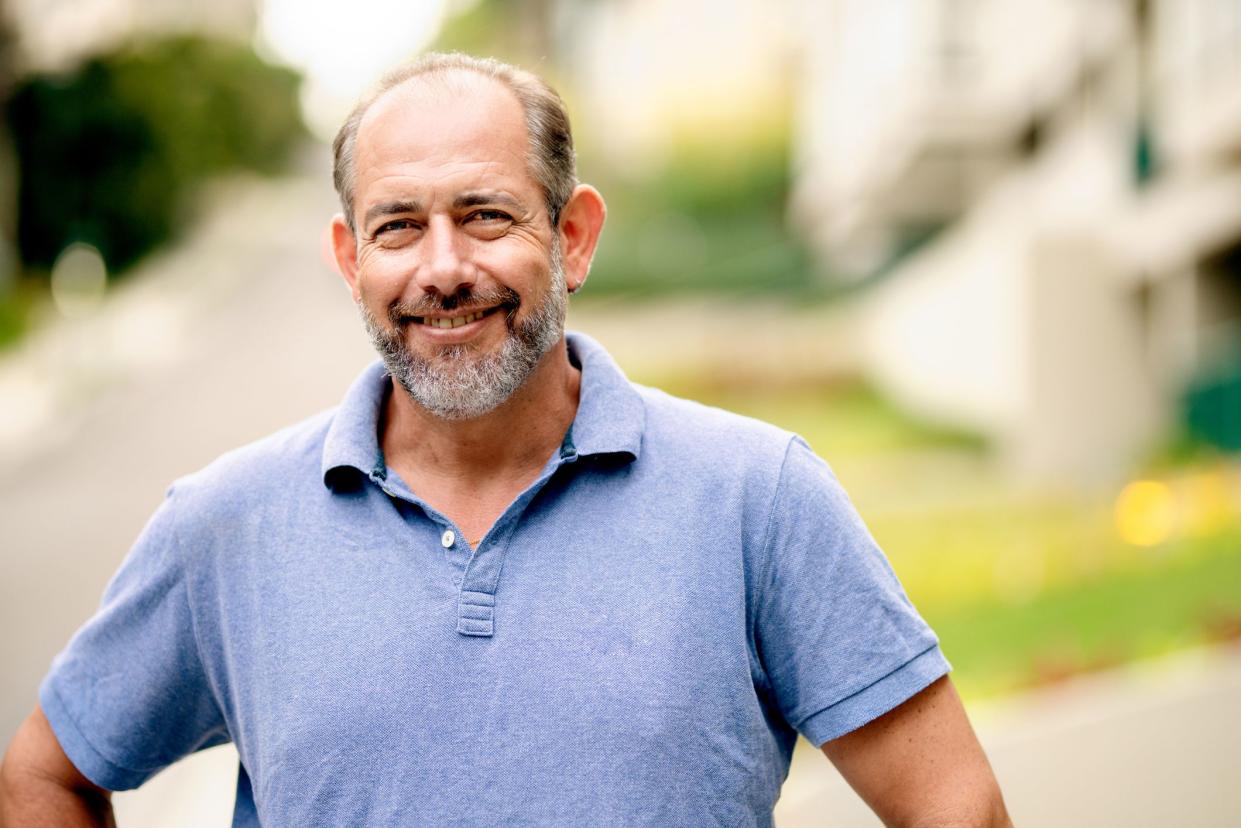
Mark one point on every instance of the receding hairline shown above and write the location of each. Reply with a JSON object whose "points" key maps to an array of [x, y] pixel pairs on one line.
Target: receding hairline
{"points": [[548, 134], [444, 80], [440, 84]]}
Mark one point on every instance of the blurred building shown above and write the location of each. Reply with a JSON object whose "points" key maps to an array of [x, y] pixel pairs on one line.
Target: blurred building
{"points": [[1049, 195]]}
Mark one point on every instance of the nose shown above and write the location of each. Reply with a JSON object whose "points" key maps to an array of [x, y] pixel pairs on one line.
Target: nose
{"points": [[445, 266]]}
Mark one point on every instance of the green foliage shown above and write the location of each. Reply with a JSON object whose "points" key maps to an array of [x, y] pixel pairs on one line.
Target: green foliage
{"points": [[15, 311], [680, 253], [108, 154], [1212, 405], [1180, 447], [719, 181], [90, 170], [841, 419], [484, 29], [213, 105], [708, 220], [515, 31]]}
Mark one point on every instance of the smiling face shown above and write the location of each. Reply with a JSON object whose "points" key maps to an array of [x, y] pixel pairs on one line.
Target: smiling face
{"points": [[455, 265]]}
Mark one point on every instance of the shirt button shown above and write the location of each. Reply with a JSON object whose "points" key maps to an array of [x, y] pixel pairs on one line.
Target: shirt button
{"points": [[448, 538]]}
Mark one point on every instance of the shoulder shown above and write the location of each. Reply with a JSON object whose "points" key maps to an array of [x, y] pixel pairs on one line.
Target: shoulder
{"points": [[719, 446], [280, 463], [719, 451], [695, 428], [213, 520]]}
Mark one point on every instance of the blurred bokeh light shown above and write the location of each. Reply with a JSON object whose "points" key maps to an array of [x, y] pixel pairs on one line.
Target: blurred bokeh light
{"points": [[1146, 513], [79, 279]]}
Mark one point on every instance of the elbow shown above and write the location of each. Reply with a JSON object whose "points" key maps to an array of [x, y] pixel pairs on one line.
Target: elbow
{"points": [[982, 809]]}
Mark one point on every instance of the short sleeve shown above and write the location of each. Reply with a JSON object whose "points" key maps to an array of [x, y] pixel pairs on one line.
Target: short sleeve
{"points": [[838, 640], [128, 695]]}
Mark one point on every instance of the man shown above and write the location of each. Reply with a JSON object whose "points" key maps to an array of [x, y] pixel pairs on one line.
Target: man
{"points": [[499, 585]]}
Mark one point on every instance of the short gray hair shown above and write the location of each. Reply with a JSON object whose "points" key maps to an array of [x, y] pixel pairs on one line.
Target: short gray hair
{"points": [[551, 157]]}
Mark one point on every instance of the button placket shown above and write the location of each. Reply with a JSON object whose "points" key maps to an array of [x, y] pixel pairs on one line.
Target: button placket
{"points": [[456, 552], [477, 599]]}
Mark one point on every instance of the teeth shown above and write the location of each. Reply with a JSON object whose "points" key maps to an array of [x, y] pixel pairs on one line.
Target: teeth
{"points": [[454, 322]]}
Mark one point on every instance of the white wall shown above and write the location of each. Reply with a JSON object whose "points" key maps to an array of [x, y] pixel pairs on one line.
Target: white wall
{"points": [[892, 87], [1022, 322]]}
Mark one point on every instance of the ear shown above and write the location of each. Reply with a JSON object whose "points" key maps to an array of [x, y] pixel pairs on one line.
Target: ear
{"points": [[345, 252], [581, 221]]}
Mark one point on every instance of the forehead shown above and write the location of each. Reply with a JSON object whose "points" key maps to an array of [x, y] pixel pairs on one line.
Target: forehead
{"points": [[461, 122]]}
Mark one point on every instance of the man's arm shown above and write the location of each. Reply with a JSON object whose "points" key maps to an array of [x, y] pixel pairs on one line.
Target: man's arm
{"points": [[920, 764], [39, 785]]}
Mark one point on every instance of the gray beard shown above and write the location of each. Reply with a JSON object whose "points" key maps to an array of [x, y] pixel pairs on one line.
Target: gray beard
{"points": [[458, 383]]}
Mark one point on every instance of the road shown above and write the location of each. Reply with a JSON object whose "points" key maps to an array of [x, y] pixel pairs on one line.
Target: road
{"points": [[243, 329], [1155, 745]]}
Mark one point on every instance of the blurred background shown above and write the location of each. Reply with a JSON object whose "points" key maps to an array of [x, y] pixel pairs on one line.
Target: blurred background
{"points": [[985, 255]]}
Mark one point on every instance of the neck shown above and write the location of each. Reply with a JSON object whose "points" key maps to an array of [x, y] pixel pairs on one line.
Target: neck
{"points": [[510, 440]]}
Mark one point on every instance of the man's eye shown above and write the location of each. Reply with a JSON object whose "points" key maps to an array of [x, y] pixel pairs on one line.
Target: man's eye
{"points": [[489, 216], [393, 226]]}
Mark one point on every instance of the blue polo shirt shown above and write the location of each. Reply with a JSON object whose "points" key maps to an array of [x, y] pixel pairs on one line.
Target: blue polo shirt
{"points": [[636, 641]]}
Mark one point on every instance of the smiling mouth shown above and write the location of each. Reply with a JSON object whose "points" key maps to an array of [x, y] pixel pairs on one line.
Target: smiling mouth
{"points": [[454, 321]]}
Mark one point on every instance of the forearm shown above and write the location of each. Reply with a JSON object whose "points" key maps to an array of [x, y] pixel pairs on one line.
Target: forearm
{"points": [[29, 801], [964, 794], [40, 787]]}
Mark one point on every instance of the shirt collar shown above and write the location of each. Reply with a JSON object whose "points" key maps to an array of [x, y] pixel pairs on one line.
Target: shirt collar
{"points": [[610, 417], [610, 414], [351, 447]]}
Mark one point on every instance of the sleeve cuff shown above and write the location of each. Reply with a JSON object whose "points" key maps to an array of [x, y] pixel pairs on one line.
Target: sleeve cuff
{"points": [[86, 758], [873, 701]]}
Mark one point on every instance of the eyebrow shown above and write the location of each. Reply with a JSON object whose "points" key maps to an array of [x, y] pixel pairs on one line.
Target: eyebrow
{"points": [[482, 197]]}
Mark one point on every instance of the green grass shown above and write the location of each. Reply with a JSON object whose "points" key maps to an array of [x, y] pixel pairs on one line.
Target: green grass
{"points": [[950, 554], [1190, 597]]}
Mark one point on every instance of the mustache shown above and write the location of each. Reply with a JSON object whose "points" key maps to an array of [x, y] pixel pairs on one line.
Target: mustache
{"points": [[400, 313]]}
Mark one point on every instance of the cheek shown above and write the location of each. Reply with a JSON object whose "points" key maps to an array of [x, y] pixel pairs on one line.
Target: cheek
{"points": [[382, 273], [514, 265], [374, 257]]}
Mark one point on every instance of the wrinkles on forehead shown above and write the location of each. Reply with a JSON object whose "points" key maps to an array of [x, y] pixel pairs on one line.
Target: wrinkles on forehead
{"points": [[468, 124]]}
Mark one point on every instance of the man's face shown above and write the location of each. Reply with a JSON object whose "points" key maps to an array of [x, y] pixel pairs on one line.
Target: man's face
{"points": [[459, 279]]}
